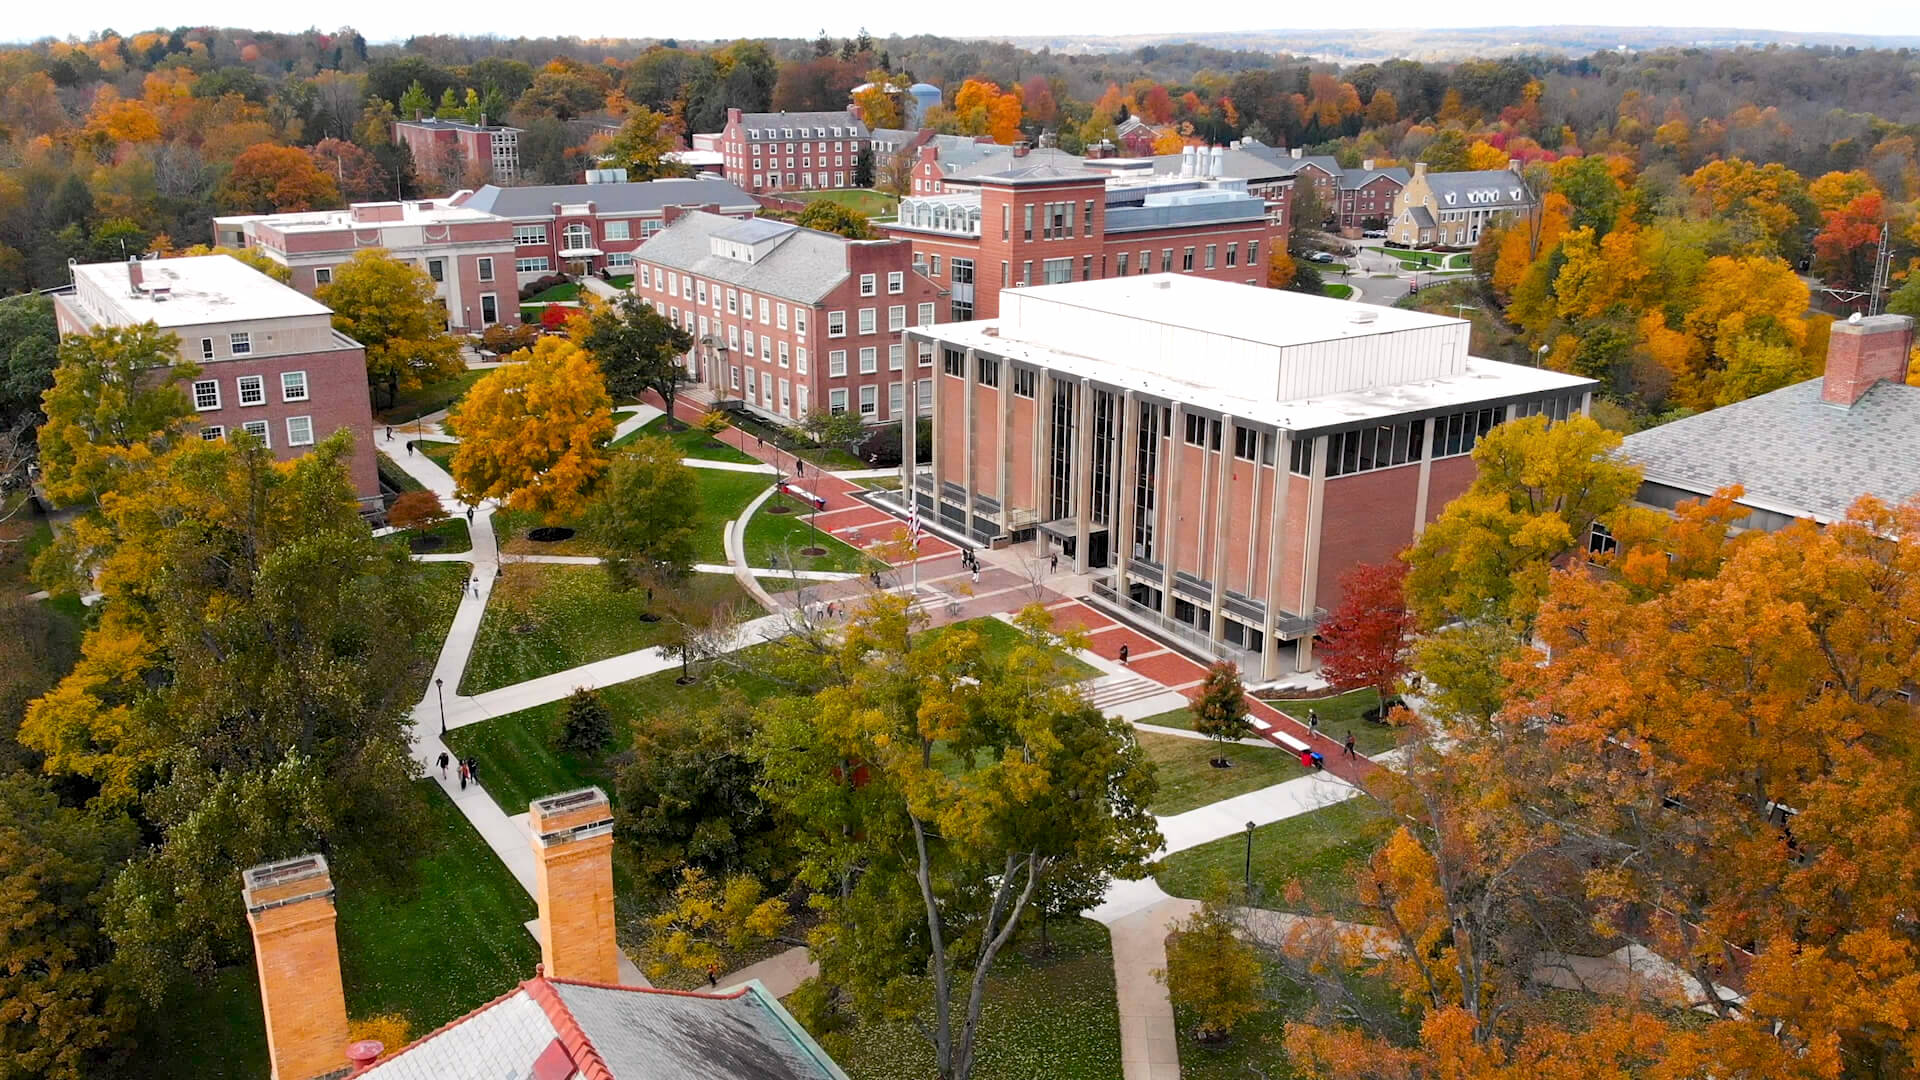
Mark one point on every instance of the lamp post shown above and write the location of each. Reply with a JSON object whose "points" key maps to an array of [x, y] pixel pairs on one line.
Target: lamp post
{"points": [[1249, 856], [1540, 355], [440, 688]]}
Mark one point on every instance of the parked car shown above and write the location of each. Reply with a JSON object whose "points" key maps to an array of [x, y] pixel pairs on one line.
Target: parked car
{"points": [[1321, 257], [1375, 234]]}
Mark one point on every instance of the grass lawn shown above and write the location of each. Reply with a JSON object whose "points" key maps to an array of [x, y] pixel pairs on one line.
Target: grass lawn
{"points": [[879, 483], [1052, 1017], [447, 584], [723, 495], [1336, 290], [1188, 780], [453, 535], [826, 457], [530, 313], [431, 950], [1319, 849], [621, 281], [574, 616], [510, 528], [410, 405], [692, 441], [441, 453], [1341, 713], [395, 477], [871, 203], [516, 753], [1000, 639], [565, 290], [771, 536]]}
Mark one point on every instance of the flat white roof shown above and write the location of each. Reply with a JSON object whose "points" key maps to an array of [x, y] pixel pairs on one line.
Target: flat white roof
{"points": [[412, 212], [1275, 317], [200, 289]]}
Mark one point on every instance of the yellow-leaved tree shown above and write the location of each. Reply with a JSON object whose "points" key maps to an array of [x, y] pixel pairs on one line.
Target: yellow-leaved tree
{"points": [[534, 432], [389, 307]]}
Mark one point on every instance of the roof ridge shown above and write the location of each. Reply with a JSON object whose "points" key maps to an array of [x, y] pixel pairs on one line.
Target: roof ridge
{"points": [[579, 1047], [592, 984], [446, 1027]]}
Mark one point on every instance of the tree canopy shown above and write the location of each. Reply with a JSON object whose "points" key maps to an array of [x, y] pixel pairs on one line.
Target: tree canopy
{"points": [[533, 433], [389, 307]]}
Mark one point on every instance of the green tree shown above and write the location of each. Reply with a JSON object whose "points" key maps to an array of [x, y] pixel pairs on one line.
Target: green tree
{"points": [[106, 413], [638, 350], [691, 795], [415, 103], [824, 427], [642, 146], [67, 1013], [1212, 975], [389, 307], [863, 169], [587, 727], [646, 514], [934, 788], [29, 350], [829, 216], [1220, 708]]}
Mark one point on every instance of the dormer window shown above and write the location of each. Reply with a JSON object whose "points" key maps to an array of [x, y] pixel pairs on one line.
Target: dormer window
{"points": [[786, 133], [1514, 194], [1449, 198]]}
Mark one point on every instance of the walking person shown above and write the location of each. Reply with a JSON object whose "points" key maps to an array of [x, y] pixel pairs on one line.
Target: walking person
{"points": [[1349, 744], [976, 575], [389, 432], [1123, 654], [713, 975], [476, 586], [1053, 562], [463, 776], [469, 513], [1313, 721], [443, 764]]}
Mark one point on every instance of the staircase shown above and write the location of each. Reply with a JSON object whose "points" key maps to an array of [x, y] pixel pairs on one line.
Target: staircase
{"points": [[1111, 691]]}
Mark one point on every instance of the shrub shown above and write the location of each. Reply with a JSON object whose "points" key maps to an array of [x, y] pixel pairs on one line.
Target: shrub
{"points": [[541, 284], [390, 1030], [713, 421], [502, 339], [1211, 973], [588, 726], [415, 509]]}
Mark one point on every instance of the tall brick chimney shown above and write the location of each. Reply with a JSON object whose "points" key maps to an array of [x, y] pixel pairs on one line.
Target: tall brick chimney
{"points": [[290, 908], [1861, 352], [573, 884]]}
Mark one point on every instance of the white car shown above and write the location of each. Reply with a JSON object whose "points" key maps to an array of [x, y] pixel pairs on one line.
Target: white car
{"points": [[1375, 234], [1321, 257]]}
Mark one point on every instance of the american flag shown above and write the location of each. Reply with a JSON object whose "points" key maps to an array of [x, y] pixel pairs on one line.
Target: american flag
{"points": [[913, 521]]}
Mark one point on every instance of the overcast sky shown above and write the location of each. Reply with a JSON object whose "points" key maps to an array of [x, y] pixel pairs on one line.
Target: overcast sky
{"points": [[383, 20]]}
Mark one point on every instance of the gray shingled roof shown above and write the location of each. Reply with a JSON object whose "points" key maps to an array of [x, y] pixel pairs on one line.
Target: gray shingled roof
{"points": [[680, 1037], [487, 1045], [1793, 452], [1359, 178], [647, 196], [961, 151], [1036, 166], [805, 266], [1238, 162], [778, 122], [1422, 218], [1501, 183]]}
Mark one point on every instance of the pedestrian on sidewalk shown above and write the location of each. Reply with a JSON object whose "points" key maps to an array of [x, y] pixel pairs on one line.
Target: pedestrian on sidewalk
{"points": [[1123, 654], [1313, 721], [463, 776], [1349, 744], [443, 764], [389, 432], [469, 513], [976, 575], [409, 447], [476, 586], [713, 975], [473, 770], [1053, 562]]}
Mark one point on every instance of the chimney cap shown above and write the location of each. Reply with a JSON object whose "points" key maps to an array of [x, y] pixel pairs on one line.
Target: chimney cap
{"points": [[364, 1053]]}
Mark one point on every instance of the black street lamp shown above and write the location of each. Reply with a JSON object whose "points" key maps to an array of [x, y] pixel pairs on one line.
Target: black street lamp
{"points": [[440, 688], [1249, 856]]}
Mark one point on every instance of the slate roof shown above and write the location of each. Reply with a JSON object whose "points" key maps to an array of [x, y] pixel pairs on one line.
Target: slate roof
{"points": [[778, 122], [1359, 178], [1502, 184], [1037, 166], [1239, 162], [806, 265], [598, 1032], [647, 196], [1422, 217], [1791, 451]]}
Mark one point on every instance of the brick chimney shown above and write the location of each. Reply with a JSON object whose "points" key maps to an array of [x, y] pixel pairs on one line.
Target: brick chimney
{"points": [[1861, 352], [290, 908], [573, 885], [133, 274]]}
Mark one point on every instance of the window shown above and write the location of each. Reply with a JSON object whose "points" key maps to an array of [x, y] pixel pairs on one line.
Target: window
{"points": [[766, 347], [733, 302], [1166, 260], [1027, 233], [868, 317], [538, 265], [896, 283], [933, 264], [1057, 270], [239, 344], [1601, 541], [1121, 265], [953, 361], [784, 354], [766, 308], [1376, 447], [213, 433], [800, 322], [869, 400], [576, 237], [484, 267], [1186, 259], [1233, 254], [206, 348], [299, 431], [866, 284], [529, 234], [896, 398], [800, 359], [750, 352], [258, 429], [253, 389], [437, 269], [1253, 253], [617, 230], [702, 289], [746, 306], [1025, 381], [489, 309], [1455, 434], [293, 386], [1211, 249], [780, 310], [896, 357], [323, 275], [837, 401], [869, 360], [206, 395], [924, 353], [1246, 443], [897, 318], [924, 315], [836, 363], [836, 324], [989, 373], [1146, 261], [646, 278], [1196, 433]]}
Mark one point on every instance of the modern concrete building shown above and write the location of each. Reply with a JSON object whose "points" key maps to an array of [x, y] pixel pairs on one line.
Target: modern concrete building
{"points": [[584, 228], [1809, 450], [1053, 217], [801, 151], [494, 148], [786, 319], [271, 363], [1216, 455], [467, 253], [1450, 209]]}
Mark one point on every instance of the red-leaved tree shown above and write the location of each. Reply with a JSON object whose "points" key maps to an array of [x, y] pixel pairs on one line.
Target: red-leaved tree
{"points": [[1364, 641]]}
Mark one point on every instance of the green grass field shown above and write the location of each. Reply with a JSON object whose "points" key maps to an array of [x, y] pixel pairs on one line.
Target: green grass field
{"points": [[573, 616], [453, 534], [410, 405], [724, 494], [871, 203], [565, 290], [1054, 1017], [621, 281], [770, 536], [1319, 849], [692, 441], [441, 453], [1341, 713], [1336, 290], [1188, 779]]}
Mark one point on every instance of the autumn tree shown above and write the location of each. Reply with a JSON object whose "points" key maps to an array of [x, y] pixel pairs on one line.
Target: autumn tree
{"points": [[705, 916], [926, 866], [691, 794], [982, 108], [646, 514], [638, 350], [1219, 707], [879, 107], [586, 724], [1280, 270], [355, 171], [389, 306], [643, 143], [533, 433], [1212, 976], [832, 217], [269, 179], [108, 414], [1844, 249], [1364, 641], [414, 509]]}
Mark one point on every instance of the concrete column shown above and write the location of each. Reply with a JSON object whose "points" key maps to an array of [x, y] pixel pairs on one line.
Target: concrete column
{"points": [[1420, 497], [1003, 465], [1082, 473], [1121, 541], [1222, 496], [1168, 507], [1042, 455], [1276, 544], [940, 422], [909, 430], [1310, 556], [966, 420]]}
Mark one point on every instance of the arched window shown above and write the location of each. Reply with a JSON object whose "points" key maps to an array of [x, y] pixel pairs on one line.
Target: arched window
{"points": [[576, 237]]}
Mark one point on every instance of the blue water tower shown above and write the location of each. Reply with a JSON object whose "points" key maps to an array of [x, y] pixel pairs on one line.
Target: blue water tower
{"points": [[920, 98]]}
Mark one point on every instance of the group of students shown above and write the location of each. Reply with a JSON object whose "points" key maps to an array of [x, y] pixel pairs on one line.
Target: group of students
{"points": [[469, 769]]}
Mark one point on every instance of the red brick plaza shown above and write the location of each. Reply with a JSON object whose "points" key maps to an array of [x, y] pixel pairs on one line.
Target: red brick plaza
{"points": [[999, 590]]}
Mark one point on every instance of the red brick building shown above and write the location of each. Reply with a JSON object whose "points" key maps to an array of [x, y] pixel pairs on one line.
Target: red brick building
{"points": [[792, 151], [1215, 455], [271, 362], [586, 228], [786, 320], [495, 149], [1050, 219]]}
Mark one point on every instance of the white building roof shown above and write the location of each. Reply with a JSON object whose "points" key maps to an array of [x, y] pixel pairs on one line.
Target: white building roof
{"points": [[412, 212], [197, 290], [1297, 361]]}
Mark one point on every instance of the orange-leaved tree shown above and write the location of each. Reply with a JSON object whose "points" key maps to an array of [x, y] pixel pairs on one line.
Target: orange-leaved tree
{"points": [[534, 432]]}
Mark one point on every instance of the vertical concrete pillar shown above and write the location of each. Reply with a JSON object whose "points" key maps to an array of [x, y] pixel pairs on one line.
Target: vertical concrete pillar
{"points": [[1310, 555], [573, 885], [1169, 508], [910, 427], [1082, 473], [1217, 525], [1275, 553], [940, 421], [290, 910], [969, 377], [1003, 463], [1042, 457], [1121, 542]]}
